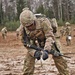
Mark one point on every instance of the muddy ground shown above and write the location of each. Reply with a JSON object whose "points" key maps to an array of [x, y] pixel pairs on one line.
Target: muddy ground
{"points": [[12, 54]]}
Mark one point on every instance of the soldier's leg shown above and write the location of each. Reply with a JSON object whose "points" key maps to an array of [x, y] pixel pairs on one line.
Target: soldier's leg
{"points": [[3, 36], [61, 65], [67, 40], [29, 65], [70, 42], [17, 35]]}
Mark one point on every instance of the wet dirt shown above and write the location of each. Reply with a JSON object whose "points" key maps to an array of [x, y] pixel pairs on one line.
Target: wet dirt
{"points": [[12, 54]]}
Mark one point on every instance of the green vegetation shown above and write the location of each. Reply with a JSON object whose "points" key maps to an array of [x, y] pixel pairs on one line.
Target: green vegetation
{"points": [[60, 22], [49, 14], [10, 18], [11, 26], [40, 9], [20, 5]]}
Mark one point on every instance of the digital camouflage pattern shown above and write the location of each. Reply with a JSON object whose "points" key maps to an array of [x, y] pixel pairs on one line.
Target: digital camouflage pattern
{"points": [[43, 27], [25, 18]]}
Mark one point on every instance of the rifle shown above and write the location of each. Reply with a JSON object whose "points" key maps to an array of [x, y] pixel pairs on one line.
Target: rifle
{"points": [[27, 44], [45, 54], [56, 48], [41, 49]]}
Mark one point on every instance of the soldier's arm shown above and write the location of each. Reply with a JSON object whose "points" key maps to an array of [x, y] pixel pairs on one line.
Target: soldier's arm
{"points": [[46, 25]]}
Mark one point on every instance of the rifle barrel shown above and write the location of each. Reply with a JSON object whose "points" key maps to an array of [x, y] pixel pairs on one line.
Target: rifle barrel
{"points": [[38, 48], [66, 56], [68, 53]]}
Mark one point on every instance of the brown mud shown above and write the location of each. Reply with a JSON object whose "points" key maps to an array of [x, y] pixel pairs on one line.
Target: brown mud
{"points": [[12, 54]]}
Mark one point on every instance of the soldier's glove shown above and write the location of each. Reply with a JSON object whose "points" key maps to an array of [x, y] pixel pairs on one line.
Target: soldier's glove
{"points": [[55, 53], [45, 55], [26, 45], [37, 55]]}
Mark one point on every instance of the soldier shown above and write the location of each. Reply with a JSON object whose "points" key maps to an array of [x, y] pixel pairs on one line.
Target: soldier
{"points": [[68, 33], [43, 33], [62, 30], [4, 32]]}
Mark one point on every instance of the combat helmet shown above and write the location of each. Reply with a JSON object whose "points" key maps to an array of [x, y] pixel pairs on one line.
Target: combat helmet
{"points": [[27, 17], [26, 8], [67, 23]]}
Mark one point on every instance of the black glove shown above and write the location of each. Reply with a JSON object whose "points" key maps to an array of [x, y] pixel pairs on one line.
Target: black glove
{"points": [[55, 53], [45, 55], [37, 55]]}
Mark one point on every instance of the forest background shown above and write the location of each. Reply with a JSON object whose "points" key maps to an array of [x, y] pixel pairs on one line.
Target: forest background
{"points": [[62, 10]]}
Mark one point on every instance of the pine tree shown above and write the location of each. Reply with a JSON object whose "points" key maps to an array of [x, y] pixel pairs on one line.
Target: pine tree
{"points": [[1, 13], [20, 5]]}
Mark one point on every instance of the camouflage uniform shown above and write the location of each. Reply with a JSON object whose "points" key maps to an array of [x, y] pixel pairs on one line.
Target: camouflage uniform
{"points": [[4, 32], [45, 41], [68, 33], [62, 31]]}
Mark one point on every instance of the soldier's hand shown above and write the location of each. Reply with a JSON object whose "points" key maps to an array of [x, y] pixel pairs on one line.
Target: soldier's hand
{"points": [[37, 55], [26, 45], [45, 55], [55, 53]]}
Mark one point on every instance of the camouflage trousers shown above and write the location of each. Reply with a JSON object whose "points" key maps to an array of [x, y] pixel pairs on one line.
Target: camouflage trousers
{"points": [[29, 64], [61, 65], [60, 62], [4, 36]]}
